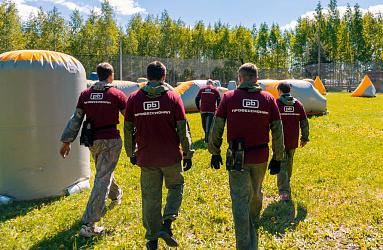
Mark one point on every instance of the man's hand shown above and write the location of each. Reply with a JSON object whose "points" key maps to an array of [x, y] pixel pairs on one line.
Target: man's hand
{"points": [[216, 161], [65, 149], [187, 163], [274, 167], [303, 143], [133, 160]]}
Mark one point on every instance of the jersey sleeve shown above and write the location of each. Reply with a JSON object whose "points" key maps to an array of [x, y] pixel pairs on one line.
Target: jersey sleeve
{"points": [[121, 100], [179, 111], [222, 108], [302, 112], [274, 110], [217, 95], [80, 102], [129, 109], [199, 93]]}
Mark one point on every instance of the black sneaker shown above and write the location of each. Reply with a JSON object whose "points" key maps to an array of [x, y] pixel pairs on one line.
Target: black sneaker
{"points": [[166, 234], [152, 245]]}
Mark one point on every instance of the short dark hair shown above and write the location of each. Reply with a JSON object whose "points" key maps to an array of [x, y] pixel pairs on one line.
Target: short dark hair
{"points": [[248, 71], [284, 87], [155, 71], [104, 70]]}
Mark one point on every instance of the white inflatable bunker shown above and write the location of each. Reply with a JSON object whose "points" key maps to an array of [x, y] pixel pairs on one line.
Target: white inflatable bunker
{"points": [[189, 90], [39, 91], [304, 91]]}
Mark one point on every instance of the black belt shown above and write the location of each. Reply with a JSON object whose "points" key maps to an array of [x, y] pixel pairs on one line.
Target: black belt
{"points": [[106, 127]]}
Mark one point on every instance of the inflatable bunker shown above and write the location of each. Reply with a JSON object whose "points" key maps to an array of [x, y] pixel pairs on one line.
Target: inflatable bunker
{"points": [[232, 85], [365, 88], [318, 84], [39, 91], [312, 100], [126, 86], [189, 90]]}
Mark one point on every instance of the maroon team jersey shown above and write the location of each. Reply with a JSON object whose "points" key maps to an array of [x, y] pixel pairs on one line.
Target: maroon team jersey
{"points": [[249, 115], [155, 119], [102, 109], [291, 116], [209, 95]]}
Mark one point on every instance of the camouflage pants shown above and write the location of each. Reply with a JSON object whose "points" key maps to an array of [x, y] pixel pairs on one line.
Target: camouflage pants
{"points": [[105, 154], [151, 189], [207, 121], [246, 195], [284, 175]]}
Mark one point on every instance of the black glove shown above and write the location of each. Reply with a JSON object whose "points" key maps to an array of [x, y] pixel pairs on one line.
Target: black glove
{"points": [[187, 163], [216, 161], [133, 160], [275, 167]]}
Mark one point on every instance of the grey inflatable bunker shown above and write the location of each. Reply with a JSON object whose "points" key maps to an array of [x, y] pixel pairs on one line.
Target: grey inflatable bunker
{"points": [[39, 91], [189, 90], [126, 86], [304, 91]]}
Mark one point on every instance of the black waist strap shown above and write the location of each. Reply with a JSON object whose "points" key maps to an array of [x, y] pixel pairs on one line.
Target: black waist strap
{"points": [[106, 127]]}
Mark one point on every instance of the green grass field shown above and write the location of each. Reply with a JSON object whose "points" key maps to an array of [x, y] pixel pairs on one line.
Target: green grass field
{"points": [[337, 190]]}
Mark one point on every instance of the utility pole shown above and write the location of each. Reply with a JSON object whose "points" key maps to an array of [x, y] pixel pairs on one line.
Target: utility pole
{"points": [[120, 59], [319, 47]]}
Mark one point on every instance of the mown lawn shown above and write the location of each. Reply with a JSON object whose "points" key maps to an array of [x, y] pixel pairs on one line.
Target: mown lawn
{"points": [[337, 189]]}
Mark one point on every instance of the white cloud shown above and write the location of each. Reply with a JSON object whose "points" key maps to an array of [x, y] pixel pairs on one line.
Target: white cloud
{"points": [[126, 7], [24, 9], [71, 5], [121, 7], [375, 9]]}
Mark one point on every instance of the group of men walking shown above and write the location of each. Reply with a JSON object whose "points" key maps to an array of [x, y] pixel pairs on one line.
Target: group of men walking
{"points": [[155, 126]]}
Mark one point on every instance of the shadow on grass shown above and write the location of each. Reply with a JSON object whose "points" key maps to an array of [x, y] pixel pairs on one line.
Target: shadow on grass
{"points": [[281, 216], [67, 239], [22, 208], [200, 144]]}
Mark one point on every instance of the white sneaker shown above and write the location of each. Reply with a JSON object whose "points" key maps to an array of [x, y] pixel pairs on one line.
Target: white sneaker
{"points": [[90, 230]]}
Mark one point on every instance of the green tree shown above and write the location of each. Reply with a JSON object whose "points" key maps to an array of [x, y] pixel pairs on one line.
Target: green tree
{"points": [[11, 36], [261, 47], [106, 32], [75, 24]]}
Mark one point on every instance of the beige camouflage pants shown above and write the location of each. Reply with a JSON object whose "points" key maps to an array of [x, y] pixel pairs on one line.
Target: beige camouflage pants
{"points": [[246, 196], [151, 188], [105, 154], [284, 176]]}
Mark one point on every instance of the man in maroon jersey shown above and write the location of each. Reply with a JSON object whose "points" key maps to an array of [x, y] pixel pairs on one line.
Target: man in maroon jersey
{"points": [[207, 100], [155, 125], [250, 114], [101, 105], [293, 116]]}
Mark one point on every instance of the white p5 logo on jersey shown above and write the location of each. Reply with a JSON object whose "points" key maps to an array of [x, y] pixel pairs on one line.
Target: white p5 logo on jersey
{"points": [[154, 105], [250, 103], [96, 96], [289, 109], [207, 90]]}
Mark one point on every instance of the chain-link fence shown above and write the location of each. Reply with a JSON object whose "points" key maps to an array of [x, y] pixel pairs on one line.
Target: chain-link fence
{"points": [[343, 76], [335, 76]]}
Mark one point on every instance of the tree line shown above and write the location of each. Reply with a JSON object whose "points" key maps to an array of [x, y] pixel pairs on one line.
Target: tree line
{"points": [[354, 37]]}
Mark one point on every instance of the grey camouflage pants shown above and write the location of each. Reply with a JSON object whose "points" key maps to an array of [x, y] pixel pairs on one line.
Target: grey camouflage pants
{"points": [[246, 195], [151, 189], [207, 121], [105, 154], [284, 176]]}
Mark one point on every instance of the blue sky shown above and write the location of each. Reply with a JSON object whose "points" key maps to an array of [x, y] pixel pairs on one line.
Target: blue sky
{"points": [[239, 12]]}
